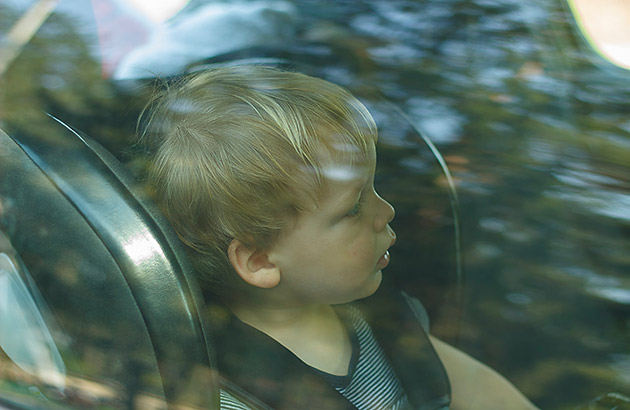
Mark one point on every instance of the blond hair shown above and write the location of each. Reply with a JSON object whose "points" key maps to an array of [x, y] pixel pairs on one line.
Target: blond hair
{"points": [[237, 154]]}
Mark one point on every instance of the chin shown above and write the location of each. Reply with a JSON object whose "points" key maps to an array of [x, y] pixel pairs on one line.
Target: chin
{"points": [[379, 279], [373, 285]]}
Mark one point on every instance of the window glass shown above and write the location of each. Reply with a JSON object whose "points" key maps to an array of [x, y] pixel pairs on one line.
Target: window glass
{"points": [[504, 145], [87, 344], [605, 28], [25, 336]]}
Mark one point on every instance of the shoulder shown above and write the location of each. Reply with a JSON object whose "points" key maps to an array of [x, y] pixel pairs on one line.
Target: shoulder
{"points": [[391, 304], [400, 324], [418, 310]]}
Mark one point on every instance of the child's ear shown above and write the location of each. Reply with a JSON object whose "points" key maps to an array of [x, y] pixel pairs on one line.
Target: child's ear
{"points": [[252, 265]]}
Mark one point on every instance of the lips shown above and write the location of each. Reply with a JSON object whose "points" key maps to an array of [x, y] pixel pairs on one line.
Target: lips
{"points": [[383, 261]]}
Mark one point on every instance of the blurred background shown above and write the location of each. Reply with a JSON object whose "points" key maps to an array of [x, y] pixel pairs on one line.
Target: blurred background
{"points": [[521, 254]]}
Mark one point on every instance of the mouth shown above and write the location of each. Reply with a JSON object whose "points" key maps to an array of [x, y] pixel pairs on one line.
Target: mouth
{"points": [[384, 260]]}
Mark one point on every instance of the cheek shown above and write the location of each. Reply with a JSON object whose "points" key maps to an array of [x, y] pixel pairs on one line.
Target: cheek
{"points": [[358, 250], [362, 247]]}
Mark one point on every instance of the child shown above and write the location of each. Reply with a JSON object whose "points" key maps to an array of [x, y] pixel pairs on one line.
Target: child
{"points": [[267, 177]]}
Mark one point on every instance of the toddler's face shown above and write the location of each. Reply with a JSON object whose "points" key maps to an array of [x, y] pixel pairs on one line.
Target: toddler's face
{"points": [[335, 252]]}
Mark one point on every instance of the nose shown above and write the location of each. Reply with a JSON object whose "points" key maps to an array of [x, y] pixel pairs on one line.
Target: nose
{"points": [[385, 214]]}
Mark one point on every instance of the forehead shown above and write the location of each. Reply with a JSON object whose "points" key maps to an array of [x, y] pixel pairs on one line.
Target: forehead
{"points": [[342, 180], [341, 183], [334, 165], [340, 160]]}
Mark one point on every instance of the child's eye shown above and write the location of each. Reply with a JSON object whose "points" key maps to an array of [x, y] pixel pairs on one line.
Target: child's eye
{"points": [[356, 210]]}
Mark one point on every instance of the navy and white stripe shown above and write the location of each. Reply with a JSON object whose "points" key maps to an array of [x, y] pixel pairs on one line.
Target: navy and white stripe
{"points": [[229, 402], [374, 384], [371, 383]]}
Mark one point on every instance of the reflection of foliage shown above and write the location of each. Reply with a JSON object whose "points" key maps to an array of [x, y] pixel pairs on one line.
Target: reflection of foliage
{"points": [[562, 375], [607, 402], [536, 135], [56, 73], [537, 139]]}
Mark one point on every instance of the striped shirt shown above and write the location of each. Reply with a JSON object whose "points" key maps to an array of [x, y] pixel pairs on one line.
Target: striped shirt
{"points": [[229, 402], [371, 383]]}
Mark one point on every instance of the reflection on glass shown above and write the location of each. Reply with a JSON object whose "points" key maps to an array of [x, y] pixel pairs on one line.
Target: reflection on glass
{"points": [[540, 136], [23, 30], [24, 335], [158, 11], [606, 26]]}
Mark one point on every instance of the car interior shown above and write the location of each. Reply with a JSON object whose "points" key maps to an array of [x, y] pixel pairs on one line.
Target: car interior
{"points": [[97, 288]]}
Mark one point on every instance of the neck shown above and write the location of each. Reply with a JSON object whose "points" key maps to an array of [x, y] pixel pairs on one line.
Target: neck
{"points": [[263, 317], [314, 333]]}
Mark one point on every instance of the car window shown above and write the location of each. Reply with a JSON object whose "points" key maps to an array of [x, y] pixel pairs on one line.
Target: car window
{"points": [[26, 338], [503, 145]]}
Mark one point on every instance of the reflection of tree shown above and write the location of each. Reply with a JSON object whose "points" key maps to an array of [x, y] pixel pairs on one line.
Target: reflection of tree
{"points": [[56, 73], [22, 32], [102, 335], [536, 133]]}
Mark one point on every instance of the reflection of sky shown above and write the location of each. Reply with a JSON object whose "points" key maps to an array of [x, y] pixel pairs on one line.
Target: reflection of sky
{"points": [[212, 29], [158, 10], [613, 289], [584, 187], [610, 204], [119, 33], [441, 123]]}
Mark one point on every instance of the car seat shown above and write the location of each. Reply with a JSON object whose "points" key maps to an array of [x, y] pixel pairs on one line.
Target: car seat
{"points": [[98, 305]]}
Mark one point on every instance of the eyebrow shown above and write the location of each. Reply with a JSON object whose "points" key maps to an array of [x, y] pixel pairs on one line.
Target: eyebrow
{"points": [[352, 196], [356, 180], [357, 192]]}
